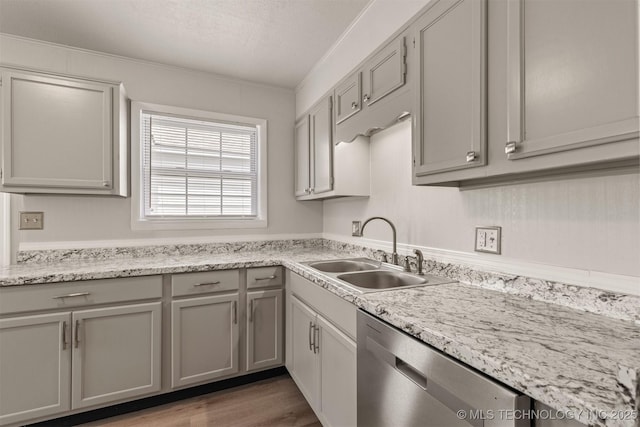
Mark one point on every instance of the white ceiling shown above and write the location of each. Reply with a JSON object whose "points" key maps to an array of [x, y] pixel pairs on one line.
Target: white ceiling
{"points": [[275, 42]]}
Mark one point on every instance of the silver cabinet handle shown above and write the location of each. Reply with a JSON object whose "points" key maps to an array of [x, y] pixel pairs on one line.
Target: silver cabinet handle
{"points": [[366, 98], [471, 156], [235, 312], [510, 147], [217, 282], [354, 105], [77, 334], [311, 329], [251, 311], [266, 278], [64, 335], [316, 338], [76, 294]]}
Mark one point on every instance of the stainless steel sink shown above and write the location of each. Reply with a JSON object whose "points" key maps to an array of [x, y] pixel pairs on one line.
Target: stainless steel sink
{"points": [[345, 265], [382, 279], [366, 275]]}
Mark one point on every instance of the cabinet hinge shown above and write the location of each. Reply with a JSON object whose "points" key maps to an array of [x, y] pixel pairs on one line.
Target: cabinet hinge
{"points": [[414, 42], [0, 173]]}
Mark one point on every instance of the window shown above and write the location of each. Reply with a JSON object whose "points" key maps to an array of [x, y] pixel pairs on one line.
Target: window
{"points": [[197, 169]]}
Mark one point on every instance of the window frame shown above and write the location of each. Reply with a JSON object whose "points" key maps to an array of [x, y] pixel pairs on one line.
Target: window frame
{"points": [[141, 222]]}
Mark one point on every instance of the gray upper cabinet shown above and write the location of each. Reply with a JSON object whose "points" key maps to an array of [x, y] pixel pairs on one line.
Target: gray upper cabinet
{"points": [[573, 75], [321, 130], [562, 92], [376, 94], [348, 96], [385, 72], [449, 119], [302, 158], [62, 135]]}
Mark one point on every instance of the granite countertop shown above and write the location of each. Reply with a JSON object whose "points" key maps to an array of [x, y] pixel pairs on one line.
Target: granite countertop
{"points": [[584, 364]]}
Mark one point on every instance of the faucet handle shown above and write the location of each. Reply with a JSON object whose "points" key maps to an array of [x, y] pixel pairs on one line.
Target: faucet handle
{"points": [[407, 264], [419, 260]]}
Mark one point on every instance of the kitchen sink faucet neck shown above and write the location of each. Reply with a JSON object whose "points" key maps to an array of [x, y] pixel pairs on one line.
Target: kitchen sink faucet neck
{"points": [[394, 255]]}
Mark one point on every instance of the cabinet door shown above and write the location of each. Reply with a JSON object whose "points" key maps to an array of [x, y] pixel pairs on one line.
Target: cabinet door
{"points": [[204, 339], [116, 353], [304, 363], [321, 123], [385, 72], [450, 112], [58, 133], [347, 97], [573, 75], [302, 157], [35, 375], [264, 329], [338, 380]]}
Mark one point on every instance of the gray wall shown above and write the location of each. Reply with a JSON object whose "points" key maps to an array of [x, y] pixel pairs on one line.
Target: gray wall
{"points": [[85, 219], [589, 224]]}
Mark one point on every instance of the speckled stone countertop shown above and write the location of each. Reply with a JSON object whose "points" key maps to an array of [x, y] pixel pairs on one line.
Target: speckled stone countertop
{"points": [[584, 364]]}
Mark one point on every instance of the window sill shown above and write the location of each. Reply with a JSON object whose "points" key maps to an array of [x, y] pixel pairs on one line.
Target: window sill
{"points": [[196, 224]]}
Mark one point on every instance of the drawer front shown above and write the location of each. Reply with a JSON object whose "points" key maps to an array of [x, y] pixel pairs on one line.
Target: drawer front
{"points": [[17, 299], [205, 282], [262, 277]]}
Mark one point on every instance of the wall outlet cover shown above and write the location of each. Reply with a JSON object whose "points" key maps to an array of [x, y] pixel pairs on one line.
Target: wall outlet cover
{"points": [[488, 239], [356, 229], [31, 220]]}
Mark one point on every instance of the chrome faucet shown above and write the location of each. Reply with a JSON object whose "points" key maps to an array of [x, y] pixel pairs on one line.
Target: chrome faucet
{"points": [[394, 255], [420, 257]]}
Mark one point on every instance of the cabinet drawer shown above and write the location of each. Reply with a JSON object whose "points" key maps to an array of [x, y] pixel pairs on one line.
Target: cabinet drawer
{"points": [[205, 282], [261, 277], [16, 299]]}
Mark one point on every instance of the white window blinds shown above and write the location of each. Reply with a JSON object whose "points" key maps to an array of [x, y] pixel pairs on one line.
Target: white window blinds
{"points": [[196, 168]]}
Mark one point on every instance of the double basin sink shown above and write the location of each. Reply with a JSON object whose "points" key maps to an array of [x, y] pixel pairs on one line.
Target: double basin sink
{"points": [[366, 275]]}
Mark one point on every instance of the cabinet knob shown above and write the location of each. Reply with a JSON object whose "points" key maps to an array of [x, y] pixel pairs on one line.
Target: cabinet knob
{"points": [[354, 105], [106, 183], [366, 98], [471, 156], [510, 147]]}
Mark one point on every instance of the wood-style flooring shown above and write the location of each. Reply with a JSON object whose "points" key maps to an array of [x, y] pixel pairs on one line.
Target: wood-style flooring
{"points": [[272, 402]]}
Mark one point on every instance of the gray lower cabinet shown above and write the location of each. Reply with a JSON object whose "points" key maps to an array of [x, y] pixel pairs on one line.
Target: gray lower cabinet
{"points": [[449, 121], [62, 135], [264, 329], [204, 339], [52, 363], [35, 355], [321, 354], [116, 353]]}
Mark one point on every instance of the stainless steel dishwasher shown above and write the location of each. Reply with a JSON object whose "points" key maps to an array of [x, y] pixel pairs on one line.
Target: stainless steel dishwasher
{"points": [[404, 382]]}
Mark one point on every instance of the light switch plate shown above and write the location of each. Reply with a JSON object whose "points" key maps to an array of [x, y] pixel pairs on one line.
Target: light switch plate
{"points": [[488, 239], [31, 220], [356, 231]]}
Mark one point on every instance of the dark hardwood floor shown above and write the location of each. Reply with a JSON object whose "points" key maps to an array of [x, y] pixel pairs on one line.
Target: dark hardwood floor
{"points": [[271, 402]]}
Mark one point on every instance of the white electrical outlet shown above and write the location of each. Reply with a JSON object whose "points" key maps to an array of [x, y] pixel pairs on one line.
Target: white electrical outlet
{"points": [[488, 239], [355, 229]]}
